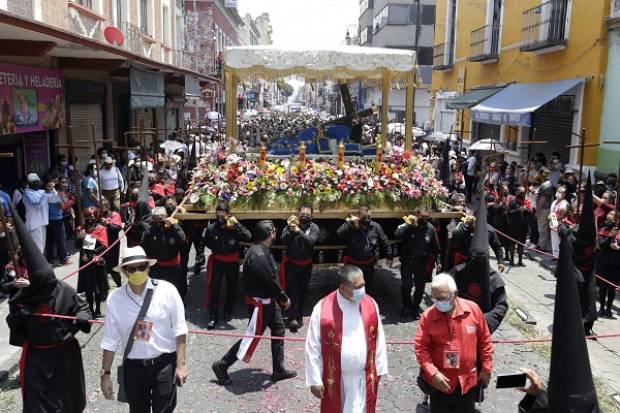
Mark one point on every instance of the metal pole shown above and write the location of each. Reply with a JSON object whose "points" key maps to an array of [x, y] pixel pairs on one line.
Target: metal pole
{"points": [[385, 92], [94, 139], [76, 176], [581, 154]]}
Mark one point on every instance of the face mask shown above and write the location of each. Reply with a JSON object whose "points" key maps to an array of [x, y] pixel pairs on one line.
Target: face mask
{"points": [[305, 220], [221, 220], [559, 196], [137, 278], [609, 224], [90, 222], [170, 209], [365, 220], [443, 306], [358, 294], [35, 185]]}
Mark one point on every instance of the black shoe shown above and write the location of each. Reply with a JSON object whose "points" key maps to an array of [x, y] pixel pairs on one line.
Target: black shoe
{"points": [[591, 334], [609, 314], [602, 313], [300, 322], [227, 316], [211, 324], [293, 326], [221, 372], [284, 375]]}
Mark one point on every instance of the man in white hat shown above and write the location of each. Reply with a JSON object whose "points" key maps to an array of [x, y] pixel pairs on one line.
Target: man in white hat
{"points": [[37, 210], [112, 183], [155, 363]]}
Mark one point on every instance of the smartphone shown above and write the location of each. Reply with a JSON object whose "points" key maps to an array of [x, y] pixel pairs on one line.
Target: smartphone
{"points": [[507, 381]]}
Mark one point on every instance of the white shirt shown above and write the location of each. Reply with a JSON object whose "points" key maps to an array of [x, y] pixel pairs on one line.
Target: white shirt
{"points": [[352, 356], [166, 312], [109, 179], [471, 166], [36, 215]]}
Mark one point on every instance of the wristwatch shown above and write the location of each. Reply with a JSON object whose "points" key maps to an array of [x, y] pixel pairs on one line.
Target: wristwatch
{"points": [[104, 372]]}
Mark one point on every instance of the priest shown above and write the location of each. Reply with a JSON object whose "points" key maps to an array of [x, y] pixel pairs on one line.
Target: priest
{"points": [[51, 370], [345, 348]]}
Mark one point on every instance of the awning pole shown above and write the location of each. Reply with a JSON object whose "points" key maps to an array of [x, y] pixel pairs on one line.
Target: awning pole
{"points": [[410, 108], [385, 93], [231, 111]]}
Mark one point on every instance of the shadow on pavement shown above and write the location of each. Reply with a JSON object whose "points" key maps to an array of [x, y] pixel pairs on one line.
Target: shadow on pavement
{"points": [[249, 380]]}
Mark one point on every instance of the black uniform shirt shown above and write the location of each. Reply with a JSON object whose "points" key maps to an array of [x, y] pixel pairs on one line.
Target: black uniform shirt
{"points": [[161, 243], [361, 242], [300, 245], [260, 274], [225, 241], [417, 242]]}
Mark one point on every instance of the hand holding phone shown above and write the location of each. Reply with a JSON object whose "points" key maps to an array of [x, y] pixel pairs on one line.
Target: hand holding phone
{"points": [[507, 381]]}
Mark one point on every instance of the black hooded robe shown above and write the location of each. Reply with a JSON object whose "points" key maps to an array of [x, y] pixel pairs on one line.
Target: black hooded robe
{"points": [[51, 369]]}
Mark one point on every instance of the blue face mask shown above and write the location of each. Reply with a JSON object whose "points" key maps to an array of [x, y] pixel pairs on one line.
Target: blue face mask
{"points": [[443, 306], [358, 294]]}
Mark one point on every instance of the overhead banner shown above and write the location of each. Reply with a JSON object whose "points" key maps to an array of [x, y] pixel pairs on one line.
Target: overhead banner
{"points": [[147, 89], [32, 99]]}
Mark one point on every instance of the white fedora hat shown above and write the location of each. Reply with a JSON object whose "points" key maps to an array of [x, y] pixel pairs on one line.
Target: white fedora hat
{"points": [[133, 255]]}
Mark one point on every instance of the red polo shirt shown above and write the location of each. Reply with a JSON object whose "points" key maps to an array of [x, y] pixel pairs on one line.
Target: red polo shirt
{"points": [[465, 333]]}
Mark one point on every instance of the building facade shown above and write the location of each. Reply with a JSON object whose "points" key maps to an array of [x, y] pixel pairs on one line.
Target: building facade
{"points": [[400, 24], [520, 71], [609, 154], [99, 66]]}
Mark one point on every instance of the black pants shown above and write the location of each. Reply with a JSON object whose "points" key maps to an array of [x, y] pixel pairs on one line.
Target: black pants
{"points": [[272, 318], [453, 403], [230, 270], [413, 272], [470, 183], [369, 274], [151, 386], [56, 240], [297, 278], [173, 275]]}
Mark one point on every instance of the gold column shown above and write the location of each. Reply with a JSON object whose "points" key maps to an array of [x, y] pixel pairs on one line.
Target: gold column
{"points": [[409, 109], [385, 93], [230, 84]]}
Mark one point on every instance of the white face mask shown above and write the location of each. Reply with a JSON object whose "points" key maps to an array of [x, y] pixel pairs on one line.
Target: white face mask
{"points": [[559, 195]]}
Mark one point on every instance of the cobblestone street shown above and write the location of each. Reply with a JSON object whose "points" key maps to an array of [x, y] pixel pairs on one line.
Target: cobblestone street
{"points": [[253, 392]]}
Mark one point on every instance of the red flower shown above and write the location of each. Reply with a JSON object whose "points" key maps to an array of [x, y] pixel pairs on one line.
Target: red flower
{"points": [[407, 155]]}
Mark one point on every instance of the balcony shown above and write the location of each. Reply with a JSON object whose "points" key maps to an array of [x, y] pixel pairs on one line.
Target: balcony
{"points": [[613, 21], [186, 60], [544, 27], [23, 8], [84, 21], [484, 46], [137, 41], [442, 58]]}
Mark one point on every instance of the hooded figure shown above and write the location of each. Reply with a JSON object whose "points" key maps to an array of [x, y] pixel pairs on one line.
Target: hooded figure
{"points": [[445, 164], [475, 279], [583, 244], [142, 213], [51, 370], [571, 388]]}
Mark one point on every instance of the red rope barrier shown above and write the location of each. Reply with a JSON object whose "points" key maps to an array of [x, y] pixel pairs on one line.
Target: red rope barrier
{"points": [[617, 287], [96, 257], [300, 339]]}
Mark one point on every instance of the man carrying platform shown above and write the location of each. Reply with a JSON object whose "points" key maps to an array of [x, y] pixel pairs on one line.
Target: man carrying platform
{"points": [[299, 237], [222, 237], [363, 236]]}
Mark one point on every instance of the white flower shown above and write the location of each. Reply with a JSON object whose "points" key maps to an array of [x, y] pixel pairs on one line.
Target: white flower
{"points": [[371, 183]]}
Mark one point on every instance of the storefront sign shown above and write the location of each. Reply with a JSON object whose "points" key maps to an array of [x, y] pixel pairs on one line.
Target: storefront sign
{"points": [[36, 153], [31, 99]]}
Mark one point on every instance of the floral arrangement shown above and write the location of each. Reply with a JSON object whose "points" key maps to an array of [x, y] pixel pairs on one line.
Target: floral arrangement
{"points": [[403, 180]]}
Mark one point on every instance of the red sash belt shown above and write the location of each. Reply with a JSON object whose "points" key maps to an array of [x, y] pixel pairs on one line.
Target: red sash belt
{"points": [[348, 260], [282, 271], [459, 258], [249, 344], [22, 360], [230, 258], [173, 262]]}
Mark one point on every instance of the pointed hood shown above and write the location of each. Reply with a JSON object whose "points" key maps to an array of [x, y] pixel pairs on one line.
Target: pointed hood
{"points": [[142, 205], [40, 273], [192, 162], [587, 228], [473, 277], [445, 163], [571, 388]]}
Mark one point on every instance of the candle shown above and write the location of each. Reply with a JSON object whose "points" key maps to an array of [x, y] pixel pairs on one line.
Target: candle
{"points": [[341, 156], [379, 158], [262, 156], [302, 156]]}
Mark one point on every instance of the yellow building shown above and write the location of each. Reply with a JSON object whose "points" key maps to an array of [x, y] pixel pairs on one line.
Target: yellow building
{"points": [[522, 70]]}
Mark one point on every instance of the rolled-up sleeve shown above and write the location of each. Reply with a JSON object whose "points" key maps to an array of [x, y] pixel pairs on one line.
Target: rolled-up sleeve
{"points": [[111, 335]]}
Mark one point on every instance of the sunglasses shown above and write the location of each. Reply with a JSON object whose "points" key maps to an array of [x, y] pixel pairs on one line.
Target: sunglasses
{"points": [[132, 269]]}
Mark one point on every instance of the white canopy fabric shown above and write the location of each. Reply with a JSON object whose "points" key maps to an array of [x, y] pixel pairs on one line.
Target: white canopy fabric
{"points": [[491, 145], [338, 63], [514, 104]]}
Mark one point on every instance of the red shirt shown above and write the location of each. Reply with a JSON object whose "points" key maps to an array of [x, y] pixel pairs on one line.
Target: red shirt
{"points": [[470, 338]]}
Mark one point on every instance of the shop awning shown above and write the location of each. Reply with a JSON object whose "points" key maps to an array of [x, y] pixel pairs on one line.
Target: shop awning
{"points": [[147, 89], [473, 97], [514, 104]]}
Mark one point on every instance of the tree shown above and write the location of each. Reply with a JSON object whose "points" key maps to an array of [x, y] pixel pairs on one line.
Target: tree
{"points": [[285, 87]]}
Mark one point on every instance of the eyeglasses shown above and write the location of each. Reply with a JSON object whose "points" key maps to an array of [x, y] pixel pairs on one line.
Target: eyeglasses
{"points": [[132, 269]]}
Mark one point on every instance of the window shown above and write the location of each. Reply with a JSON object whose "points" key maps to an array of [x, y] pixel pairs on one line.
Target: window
{"points": [[425, 55], [165, 25], [511, 138], [428, 15], [398, 14], [85, 3], [380, 19], [450, 33], [363, 6], [364, 36], [144, 16]]}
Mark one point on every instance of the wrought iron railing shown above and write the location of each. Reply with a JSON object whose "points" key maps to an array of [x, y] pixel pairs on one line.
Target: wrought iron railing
{"points": [[186, 60], [484, 43], [81, 21], [442, 56], [23, 8], [544, 26], [136, 40]]}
